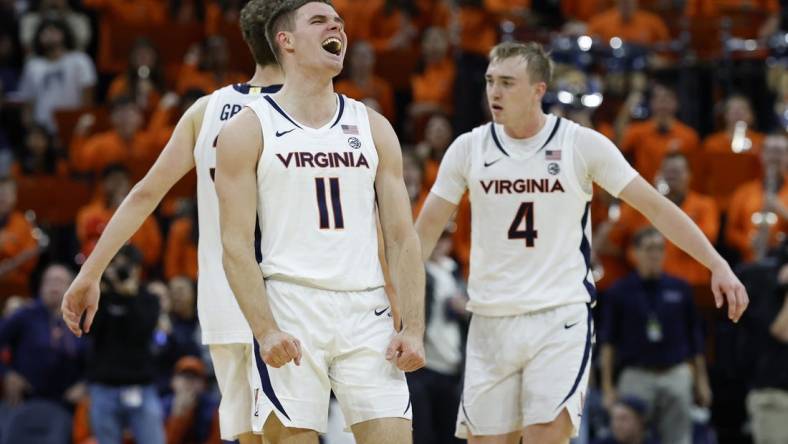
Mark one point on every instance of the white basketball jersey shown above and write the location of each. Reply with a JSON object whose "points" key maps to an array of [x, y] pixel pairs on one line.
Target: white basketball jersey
{"points": [[316, 199], [531, 235], [221, 320]]}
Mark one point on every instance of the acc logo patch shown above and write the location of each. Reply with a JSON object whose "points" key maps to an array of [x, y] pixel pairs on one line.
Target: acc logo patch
{"points": [[553, 168], [354, 143]]}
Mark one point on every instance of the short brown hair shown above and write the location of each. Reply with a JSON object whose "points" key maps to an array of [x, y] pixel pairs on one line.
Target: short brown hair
{"points": [[254, 16], [539, 65], [283, 19]]}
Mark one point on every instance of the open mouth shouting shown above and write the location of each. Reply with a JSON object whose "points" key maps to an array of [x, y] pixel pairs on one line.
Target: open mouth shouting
{"points": [[332, 45]]}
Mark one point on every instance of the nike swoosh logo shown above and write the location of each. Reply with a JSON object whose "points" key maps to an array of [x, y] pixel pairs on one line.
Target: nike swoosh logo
{"points": [[486, 164], [282, 133], [378, 313], [568, 326]]}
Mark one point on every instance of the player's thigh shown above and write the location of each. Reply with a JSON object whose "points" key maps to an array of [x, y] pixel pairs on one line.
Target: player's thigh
{"points": [[490, 404], [383, 431], [274, 432], [556, 377], [509, 438], [233, 368], [556, 431]]}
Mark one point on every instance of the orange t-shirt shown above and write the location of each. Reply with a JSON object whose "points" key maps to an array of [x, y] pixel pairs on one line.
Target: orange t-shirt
{"points": [[93, 154], [378, 89], [504, 7], [643, 28], [720, 142], [192, 78], [180, 257], [93, 218], [383, 27], [478, 30], [740, 230], [583, 10], [120, 87], [435, 84], [646, 145], [701, 209], [357, 15], [16, 237]]}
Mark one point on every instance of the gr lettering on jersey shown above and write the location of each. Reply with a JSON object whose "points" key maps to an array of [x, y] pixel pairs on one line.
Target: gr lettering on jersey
{"points": [[521, 186], [229, 110], [302, 159]]}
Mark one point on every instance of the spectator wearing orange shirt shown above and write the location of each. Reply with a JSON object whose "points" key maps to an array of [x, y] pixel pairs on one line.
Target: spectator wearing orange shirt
{"points": [[737, 111], [143, 80], [126, 143], [18, 247], [222, 14], [437, 138], [213, 69], [180, 256], [413, 175], [646, 143], [131, 13], [191, 412], [758, 213], [392, 26], [675, 173], [630, 24], [362, 84], [93, 218], [433, 85]]}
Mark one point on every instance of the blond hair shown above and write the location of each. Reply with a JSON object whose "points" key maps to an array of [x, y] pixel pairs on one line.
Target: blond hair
{"points": [[538, 63]]}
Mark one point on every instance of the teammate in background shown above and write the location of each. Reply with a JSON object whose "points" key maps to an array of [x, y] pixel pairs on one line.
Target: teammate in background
{"points": [[192, 145], [311, 165], [530, 178]]}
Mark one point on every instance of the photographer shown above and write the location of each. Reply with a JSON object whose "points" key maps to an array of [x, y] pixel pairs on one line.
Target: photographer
{"points": [[121, 364]]}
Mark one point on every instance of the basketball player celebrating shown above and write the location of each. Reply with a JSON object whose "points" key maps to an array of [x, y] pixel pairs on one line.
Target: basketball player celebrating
{"points": [[192, 145], [530, 178], [310, 164]]}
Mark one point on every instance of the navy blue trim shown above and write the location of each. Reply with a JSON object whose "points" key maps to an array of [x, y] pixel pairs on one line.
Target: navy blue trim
{"points": [[585, 249], [407, 408], [271, 89], [341, 110], [258, 239], [586, 358], [265, 379], [552, 133], [280, 111], [495, 139], [465, 413], [244, 88]]}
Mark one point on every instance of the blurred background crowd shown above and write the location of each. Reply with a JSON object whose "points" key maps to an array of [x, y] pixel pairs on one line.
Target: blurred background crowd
{"points": [[694, 92]]}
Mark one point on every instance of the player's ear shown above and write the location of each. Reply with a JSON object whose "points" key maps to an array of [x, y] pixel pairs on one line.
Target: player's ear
{"points": [[541, 89], [285, 40]]}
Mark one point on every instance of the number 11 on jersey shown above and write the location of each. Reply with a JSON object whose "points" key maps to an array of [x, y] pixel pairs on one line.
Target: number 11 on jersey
{"points": [[336, 202], [524, 216]]}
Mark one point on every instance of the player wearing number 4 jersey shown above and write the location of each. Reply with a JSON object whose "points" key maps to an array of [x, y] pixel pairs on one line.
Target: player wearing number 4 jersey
{"points": [[315, 168], [193, 145], [530, 176]]}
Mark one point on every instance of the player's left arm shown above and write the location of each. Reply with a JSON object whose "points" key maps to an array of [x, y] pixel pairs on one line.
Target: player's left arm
{"points": [[402, 248], [682, 231], [599, 160]]}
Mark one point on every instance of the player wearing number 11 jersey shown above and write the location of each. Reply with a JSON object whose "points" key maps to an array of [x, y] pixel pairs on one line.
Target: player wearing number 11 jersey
{"points": [[529, 177]]}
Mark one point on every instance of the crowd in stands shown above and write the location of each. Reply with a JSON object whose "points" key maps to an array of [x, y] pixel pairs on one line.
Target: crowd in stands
{"points": [[694, 92]]}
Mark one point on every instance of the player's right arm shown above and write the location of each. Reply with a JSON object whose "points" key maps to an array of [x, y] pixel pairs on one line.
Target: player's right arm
{"points": [[239, 148], [173, 163], [442, 201]]}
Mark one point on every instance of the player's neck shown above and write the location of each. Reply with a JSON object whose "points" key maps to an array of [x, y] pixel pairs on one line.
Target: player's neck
{"points": [[526, 127], [267, 75], [310, 101]]}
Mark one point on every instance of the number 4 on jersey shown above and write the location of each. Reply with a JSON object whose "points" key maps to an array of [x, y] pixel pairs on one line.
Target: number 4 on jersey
{"points": [[525, 215]]}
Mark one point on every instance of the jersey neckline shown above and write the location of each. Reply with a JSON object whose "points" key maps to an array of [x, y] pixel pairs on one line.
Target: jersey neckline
{"points": [[331, 123]]}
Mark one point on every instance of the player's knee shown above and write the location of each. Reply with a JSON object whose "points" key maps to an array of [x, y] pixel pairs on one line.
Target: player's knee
{"points": [[274, 432], [558, 431]]}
